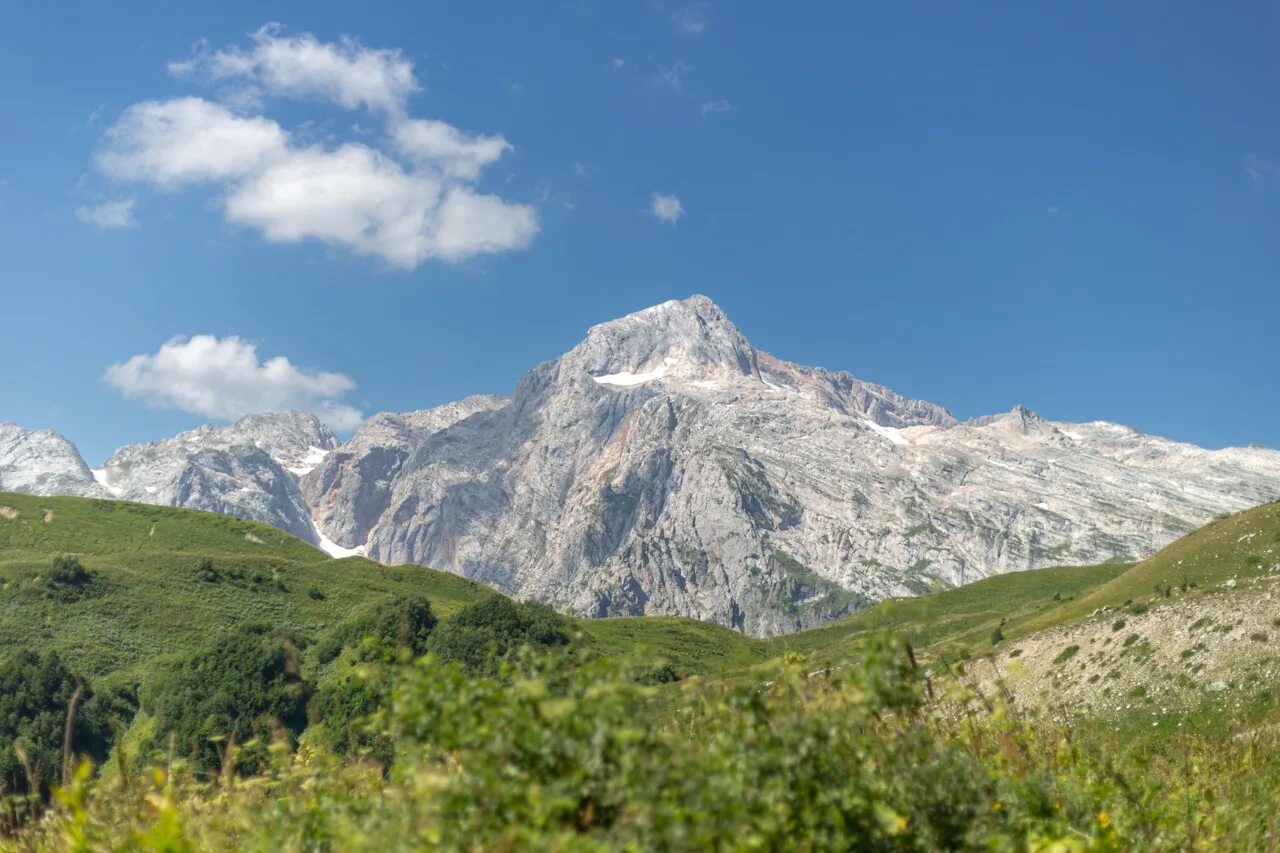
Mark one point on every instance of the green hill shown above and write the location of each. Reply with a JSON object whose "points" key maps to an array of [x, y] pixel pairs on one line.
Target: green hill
{"points": [[147, 598], [577, 750]]}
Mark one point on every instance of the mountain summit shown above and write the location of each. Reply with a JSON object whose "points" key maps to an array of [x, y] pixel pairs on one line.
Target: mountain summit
{"points": [[666, 466]]}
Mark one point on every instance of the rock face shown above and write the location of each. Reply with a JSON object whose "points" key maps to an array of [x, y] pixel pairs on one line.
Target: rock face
{"points": [[665, 466], [249, 469], [42, 462], [350, 490]]}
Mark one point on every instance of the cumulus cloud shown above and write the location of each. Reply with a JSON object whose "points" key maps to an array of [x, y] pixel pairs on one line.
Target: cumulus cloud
{"points": [[109, 214], [445, 147], [409, 203], [666, 208], [300, 66], [188, 140], [692, 20], [223, 378]]}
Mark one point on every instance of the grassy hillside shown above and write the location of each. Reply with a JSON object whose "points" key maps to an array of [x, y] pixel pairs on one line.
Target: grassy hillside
{"points": [[147, 598], [1174, 745], [1240, 546], [966, 614]]}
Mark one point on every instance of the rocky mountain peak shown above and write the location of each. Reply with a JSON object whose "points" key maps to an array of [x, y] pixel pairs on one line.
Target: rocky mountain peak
{"points": [[41, 462], [685, 338], [1019, 419]]}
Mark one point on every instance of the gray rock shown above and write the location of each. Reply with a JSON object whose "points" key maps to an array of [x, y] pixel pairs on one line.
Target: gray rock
{"points": [[249, 469], [42, 462], [665, 466]]}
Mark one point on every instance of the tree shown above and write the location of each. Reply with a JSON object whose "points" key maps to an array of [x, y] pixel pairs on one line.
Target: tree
{"points": [[36, 694], [395, 624], [490, 630], [240, 689]]}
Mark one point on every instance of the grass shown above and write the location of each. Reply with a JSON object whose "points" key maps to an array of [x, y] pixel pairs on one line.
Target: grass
{"points": [[1238, 546], [146, 601], [963, 616]]}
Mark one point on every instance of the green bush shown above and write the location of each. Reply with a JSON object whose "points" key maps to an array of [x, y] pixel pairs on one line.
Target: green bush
{"points": [[67, 572], [490, 631], [1067, 654], [233, 696], [394, 625], [36, 689], [345, 705]]}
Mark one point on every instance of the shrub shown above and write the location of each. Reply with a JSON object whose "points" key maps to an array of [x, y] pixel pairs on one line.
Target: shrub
{"points": [[231, 693], [344, 705], [1066, 654], [491, 630], [1117, 625], [67, 572], [1138, 608], [395, 624], [997, 637], [206, 572], [36, 689]]}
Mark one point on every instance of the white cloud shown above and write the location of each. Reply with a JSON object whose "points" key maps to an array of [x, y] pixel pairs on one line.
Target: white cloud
{"points": [[407, 204], [223, 378], [447, 148], [672, 76], [1261, 171], [109, 214], [615, 64], [300, 66], [188, 140], [692, 20], [358, 198], [712, 107], [666, 208]]}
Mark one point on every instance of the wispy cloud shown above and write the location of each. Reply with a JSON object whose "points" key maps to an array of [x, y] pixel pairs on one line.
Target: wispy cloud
{"points": [[615, 64], [346, 72], [692, 20], [406, 203], [223, 378], [713, 107], [1261, 172], [108, 214], [672, 76], [666, 208]]}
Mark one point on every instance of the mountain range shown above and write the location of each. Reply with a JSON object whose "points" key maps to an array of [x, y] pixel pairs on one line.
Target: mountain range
{"points": [[666, 466]]}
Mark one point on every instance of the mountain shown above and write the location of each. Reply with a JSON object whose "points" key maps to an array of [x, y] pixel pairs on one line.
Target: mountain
{"points": [[42, 462], [249, 469], [666, 466]]}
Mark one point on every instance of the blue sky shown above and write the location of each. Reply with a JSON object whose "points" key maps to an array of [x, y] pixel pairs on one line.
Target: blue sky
{"points": [[1074, 207]]}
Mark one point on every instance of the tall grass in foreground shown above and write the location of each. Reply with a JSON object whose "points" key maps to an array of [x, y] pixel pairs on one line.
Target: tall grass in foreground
{"points": [[569, 752]]}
